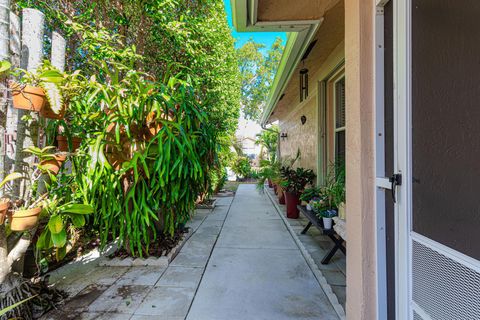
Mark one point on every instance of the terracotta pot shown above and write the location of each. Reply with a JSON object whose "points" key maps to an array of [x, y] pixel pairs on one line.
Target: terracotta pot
{"points": [[62, 143], [292, 200], [4, 206], [28, 97], [47, 112], [270, 183], [275, 188], [281, 195], [23, 220], [54, 165]]}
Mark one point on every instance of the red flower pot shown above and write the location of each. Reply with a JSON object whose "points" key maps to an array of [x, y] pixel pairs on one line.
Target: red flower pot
{"points": [[275, 189], [281, 195], [292, 200], [270, 184]]}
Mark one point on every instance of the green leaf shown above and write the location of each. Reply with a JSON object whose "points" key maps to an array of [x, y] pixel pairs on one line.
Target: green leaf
{"points": [[59, 239], [10, 177], [78, 220], [4, 66], [13, 306], [77, 208], [55, 224]]}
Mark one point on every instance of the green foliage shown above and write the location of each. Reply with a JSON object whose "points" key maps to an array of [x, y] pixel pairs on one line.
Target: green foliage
{"points": [[242, 167], [268, 139], [295, 180], [257, 72], [310, 193], [332, 194]]}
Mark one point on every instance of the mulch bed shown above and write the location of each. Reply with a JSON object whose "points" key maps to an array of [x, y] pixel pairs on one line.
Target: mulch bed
{"points": [[161, 247]]}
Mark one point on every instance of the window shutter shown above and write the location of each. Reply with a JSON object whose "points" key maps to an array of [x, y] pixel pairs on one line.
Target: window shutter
{"points": [[340, 103]]}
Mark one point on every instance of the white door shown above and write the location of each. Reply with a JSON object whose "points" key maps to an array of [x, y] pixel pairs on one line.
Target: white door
{"points": [[437, 153]]}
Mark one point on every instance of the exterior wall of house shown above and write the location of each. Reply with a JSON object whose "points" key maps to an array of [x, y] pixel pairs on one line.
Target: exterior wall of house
{"points": [[360, 161], [306, 137]]}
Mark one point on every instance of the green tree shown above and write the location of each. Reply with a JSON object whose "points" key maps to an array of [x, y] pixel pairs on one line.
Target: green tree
{"points": [[257, 74], [268, 139]]}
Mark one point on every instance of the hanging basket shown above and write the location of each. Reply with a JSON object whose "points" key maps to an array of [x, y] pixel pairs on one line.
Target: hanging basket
{"points": [[23, 220], [28, 97], [54, 165], [62, 143], [4, 206], [48, 113]]}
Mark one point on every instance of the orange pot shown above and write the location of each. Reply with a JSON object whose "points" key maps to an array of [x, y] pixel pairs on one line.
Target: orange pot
{"points": [[4, 206], [54, 165], [62, 143], [23, 220], [47, 112], [28, 97]]}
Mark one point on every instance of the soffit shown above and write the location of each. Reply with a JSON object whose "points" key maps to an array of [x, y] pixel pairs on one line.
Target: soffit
{"points": [[329, 36]]}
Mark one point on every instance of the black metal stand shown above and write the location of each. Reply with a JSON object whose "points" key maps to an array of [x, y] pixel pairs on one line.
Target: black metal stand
{"points": [[318, 223]]}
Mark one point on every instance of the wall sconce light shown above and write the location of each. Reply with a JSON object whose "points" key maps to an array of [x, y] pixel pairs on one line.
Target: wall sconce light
{"points": [[303, 84], [283, 135], [303, 119]]}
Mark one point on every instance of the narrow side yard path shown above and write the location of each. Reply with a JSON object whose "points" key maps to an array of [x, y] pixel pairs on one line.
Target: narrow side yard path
{"points": [[256, 271], [240, 263]]}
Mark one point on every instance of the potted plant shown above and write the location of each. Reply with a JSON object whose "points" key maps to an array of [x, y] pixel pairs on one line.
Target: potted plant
{"points": [[49, 163], [5, 201], [295, 182], [39, 89], [308, 194], [327, 216]]}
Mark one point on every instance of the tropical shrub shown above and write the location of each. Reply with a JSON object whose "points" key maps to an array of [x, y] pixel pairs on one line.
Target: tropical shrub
{"points": [[242, 167]]}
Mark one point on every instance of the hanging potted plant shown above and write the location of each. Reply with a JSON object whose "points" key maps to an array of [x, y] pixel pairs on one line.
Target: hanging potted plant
{"points": [[48, 162], [37, 90], [5, 201]]}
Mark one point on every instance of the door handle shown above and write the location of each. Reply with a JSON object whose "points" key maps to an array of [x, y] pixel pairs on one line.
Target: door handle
{"points": [[395, 180]]}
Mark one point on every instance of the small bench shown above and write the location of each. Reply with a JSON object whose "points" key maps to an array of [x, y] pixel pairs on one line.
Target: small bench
{"points": [[331, 233]]}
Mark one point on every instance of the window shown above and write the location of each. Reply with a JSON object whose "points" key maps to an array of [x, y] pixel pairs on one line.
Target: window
{"points": [[339, 118]]}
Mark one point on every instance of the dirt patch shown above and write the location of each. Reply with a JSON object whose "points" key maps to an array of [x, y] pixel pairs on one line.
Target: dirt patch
{"points": [[162, 247]]}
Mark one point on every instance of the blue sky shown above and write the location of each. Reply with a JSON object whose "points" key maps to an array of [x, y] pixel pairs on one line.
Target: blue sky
{"points": [[267, 38]]}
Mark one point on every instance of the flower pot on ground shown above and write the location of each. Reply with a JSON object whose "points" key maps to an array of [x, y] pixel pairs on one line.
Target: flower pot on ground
{"points": [[23, 220], [280, 195], [292, 200], [270, 183], [4, 206], [294, 184], [275, 188], [28, 97]]}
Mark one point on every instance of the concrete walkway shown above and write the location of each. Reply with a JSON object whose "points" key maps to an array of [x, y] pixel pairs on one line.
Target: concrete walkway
{"points": [[240, 263], [256, 271]]}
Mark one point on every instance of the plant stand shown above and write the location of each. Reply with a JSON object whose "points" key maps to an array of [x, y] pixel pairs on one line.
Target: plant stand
{"points": [[331, 233]]}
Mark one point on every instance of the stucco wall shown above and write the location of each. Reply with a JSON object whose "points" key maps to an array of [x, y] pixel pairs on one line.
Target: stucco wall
{"points": [[301, 137], [306, 137], [360, 161]]}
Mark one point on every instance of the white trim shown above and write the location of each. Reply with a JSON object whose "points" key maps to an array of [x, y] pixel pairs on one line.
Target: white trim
{"points": [[381, 183], [340, 75], [448, 252], [402, 130], [420, 311]]}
